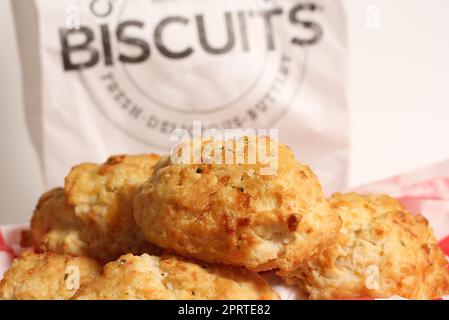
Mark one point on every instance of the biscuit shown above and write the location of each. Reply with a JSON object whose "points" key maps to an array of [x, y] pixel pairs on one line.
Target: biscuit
{"points": [[235, 213], [47, 276], [170, 278], [55, 227], [93, 215], [383, 251]]}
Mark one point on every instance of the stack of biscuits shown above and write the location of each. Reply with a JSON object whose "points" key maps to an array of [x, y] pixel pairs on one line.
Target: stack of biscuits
{"points": [[148, 227]]}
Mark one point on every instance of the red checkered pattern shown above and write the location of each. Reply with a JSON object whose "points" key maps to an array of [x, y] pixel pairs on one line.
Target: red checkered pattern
{"points": [[444, 244], [4, 247]]}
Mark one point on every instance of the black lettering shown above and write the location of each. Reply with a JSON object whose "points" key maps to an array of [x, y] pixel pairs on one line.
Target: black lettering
{"points": [[167, 127], [262, 106], [102, 14], [68, 49], [152, 122], [135, 111], [113, 86], [159, 41], [119, 96], [243, 31], [203, 38], [317, 31], [144, 47], [107, 48], [252, 115], [267, 16]]}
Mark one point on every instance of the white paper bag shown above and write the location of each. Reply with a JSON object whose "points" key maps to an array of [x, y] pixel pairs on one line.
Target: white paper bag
{"points": [[107, 77]]}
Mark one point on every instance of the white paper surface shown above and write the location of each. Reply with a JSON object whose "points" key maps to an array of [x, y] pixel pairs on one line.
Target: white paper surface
{"points": [[132, 71]]}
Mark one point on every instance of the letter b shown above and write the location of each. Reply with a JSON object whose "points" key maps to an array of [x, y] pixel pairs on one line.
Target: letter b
{"points": [[68, 49]]}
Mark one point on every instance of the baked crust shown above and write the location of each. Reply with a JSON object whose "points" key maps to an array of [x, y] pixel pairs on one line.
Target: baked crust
{"points": [[93, 215], [379, 237], [234, 214], [171, 278], [46, 276]]}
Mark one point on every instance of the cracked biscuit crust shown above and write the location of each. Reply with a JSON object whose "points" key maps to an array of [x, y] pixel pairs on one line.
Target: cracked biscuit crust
{"points": [[171, 278], [234, 214], [46, 276], [93, 215], [383, 251]]}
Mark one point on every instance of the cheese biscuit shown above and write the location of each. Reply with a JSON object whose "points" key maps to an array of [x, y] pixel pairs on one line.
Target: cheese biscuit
{"points": [[171, 278], [240, 213], [47, 276], [93, 215], [383, 250]]}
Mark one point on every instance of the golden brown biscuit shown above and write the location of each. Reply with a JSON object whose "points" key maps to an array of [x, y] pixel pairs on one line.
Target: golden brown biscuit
{"points": [[55, 227], [383, 251], [93, 215], [234, 213], [47, 276], [170, 278]]}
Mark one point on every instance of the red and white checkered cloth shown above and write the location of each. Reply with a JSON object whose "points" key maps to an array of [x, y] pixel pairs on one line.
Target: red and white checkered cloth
{"points": [[425, 191]]}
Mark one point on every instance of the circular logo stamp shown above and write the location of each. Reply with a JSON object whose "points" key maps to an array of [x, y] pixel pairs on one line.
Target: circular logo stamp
{"points": [[154, 65]]}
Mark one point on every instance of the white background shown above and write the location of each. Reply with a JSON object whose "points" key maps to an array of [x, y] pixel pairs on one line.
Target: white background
{"points": [[399, 98]]}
